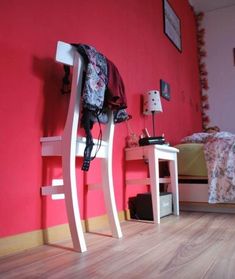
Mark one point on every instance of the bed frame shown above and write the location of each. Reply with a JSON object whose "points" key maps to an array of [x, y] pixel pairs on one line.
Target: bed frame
{"points": [[193, 196]]}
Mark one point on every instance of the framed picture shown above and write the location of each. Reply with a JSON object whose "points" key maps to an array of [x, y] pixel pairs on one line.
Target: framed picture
{"points": [[171, 25], [165, 90], [234, 56]]}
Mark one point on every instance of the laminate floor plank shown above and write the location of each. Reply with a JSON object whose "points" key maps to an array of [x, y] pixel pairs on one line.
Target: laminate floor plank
{"points": [[193, 245]]}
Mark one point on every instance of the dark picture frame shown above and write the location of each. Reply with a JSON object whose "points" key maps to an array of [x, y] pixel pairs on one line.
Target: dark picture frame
{"points": [[234, 56], [172, 25], [165, 90]]}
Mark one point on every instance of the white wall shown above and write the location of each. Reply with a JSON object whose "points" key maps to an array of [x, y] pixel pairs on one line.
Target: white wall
{"points": [[220, 41]]}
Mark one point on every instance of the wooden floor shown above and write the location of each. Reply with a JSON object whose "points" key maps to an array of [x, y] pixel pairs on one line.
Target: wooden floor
{"points": [[193, 245]]}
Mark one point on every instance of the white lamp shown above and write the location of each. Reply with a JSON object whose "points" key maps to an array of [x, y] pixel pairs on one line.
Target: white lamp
{"points": [[152, 104]]}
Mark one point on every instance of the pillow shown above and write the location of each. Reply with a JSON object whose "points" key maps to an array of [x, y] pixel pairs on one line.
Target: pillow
{"points": [[197, 138], [223, 135], [204, 137]]}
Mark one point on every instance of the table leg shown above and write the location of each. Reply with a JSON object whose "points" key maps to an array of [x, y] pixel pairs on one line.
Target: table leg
{"points": [[174, 185], [154, 184]]}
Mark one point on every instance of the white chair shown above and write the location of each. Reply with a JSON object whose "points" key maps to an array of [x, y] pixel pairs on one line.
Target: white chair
{"points": [[68, 146]]}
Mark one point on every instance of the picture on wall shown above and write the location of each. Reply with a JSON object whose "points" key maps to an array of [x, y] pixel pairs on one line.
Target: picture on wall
{"points": [[172, 25], [234, 56], [165, 90]]}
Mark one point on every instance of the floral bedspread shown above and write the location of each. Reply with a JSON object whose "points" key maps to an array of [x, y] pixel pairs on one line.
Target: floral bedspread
{"points": [[219, 150]]}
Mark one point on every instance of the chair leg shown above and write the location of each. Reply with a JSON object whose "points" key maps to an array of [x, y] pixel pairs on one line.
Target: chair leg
{"points": [[72, 205], [107, 184]]}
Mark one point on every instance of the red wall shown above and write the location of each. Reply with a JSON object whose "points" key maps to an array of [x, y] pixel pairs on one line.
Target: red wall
{"points": [[130, 33]]}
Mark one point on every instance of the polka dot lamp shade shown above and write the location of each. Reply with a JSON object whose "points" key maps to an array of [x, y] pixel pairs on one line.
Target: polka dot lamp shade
{"points": [[152, 102]]}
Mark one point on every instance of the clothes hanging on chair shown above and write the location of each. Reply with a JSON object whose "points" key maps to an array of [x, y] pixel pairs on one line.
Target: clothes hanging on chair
{"points": [[96, 78], [103, 90], [116, 97]]}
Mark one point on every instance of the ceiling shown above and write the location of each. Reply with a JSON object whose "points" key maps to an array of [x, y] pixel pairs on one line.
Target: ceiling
{"points": [[210, 5]]}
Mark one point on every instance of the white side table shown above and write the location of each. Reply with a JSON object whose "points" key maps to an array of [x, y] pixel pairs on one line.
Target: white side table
{"points": [[154, 154]]}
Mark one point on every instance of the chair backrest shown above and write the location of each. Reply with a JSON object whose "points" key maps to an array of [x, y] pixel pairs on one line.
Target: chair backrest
{"points": [[67, 54]]}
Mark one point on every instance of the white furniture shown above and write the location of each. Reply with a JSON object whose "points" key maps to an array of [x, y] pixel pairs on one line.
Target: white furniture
{"points": [[68, 146], [153, 154]]}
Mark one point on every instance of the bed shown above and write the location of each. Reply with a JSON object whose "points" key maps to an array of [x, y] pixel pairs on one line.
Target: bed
{"points": [[206, 166]]}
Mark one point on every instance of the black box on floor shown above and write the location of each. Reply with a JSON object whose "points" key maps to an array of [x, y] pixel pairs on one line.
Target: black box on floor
{"points": [[141, 206]]}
